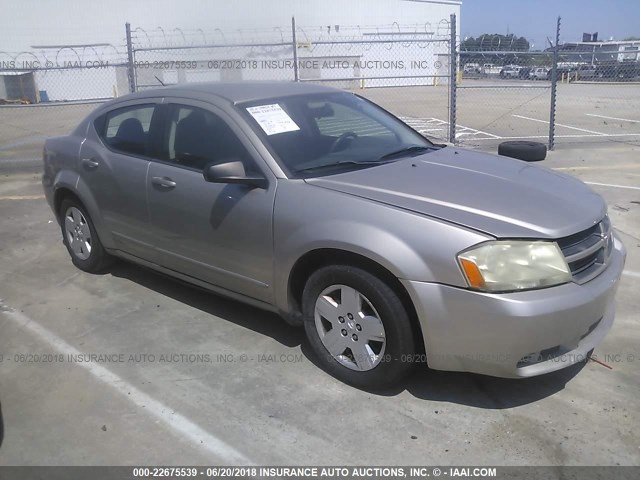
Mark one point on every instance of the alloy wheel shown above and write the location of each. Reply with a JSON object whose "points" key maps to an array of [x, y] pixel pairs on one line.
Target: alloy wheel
{"points": [[78, 233], [350, 328]]}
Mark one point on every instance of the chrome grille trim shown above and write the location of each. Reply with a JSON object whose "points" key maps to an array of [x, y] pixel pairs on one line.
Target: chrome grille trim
{"points": [[574, 254], [587, 253]]}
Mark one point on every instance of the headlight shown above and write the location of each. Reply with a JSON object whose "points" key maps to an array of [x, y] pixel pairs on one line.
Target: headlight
{"points": [[503, 266]]}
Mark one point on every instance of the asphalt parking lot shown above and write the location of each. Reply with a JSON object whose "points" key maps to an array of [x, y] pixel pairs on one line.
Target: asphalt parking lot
{"points": [[490, 111], [182, 376]]}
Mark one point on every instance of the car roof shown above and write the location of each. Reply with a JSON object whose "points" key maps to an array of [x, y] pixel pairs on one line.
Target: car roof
{"points": [[236, 92]]}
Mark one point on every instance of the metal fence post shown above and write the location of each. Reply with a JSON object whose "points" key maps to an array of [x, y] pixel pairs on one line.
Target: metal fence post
{"points": [[295, 50], [554, 87], [453, 62], [131, 74]]}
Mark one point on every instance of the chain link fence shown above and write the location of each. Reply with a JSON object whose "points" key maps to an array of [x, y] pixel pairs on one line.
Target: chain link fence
{"points": [[404, 68], [570, 93], [181, 56], [598, 93], [46, 92], [474, 92], [497, 90]]}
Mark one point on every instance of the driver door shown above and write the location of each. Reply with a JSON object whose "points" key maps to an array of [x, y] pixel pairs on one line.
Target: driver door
{"points": [[218, 233]]}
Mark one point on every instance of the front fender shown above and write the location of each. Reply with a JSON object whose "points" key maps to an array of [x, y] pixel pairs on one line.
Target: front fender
{"points": [[410, 246], [381, 246]]}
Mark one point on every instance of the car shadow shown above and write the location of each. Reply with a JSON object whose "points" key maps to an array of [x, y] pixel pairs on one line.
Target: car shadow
{"points": [[261, 321], [486, 392], [469, 389]]}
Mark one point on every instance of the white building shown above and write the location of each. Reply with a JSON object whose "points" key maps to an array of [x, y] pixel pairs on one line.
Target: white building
{"points": [[376, 38], [611, 50]]}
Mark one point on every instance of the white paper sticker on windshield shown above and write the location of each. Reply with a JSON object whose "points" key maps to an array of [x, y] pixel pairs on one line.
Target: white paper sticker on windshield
{"points": [[273, 119]]}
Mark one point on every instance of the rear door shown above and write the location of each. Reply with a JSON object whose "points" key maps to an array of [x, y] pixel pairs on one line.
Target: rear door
{"points": [[219, 233], [114, 160]]}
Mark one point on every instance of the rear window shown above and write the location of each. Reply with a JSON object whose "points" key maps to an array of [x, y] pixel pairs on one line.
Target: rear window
{"points": [[127, 129]]}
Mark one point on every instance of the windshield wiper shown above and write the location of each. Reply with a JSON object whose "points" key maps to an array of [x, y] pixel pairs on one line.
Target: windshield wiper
{"points": [[386, 158], [343, 162], [405, 151]]}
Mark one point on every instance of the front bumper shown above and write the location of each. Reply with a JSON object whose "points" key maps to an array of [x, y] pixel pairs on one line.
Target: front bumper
{"points": [[520, 334]]}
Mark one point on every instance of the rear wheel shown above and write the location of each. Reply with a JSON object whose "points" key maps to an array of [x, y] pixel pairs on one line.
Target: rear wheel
{"points": [[357, 327], [80, 237]]}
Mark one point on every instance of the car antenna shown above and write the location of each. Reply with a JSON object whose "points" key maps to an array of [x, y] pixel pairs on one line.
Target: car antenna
{"points": [[161, 82]]}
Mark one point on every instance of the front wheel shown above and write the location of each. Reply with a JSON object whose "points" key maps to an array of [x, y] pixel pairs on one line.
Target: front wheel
{"points": [[358, 327]]}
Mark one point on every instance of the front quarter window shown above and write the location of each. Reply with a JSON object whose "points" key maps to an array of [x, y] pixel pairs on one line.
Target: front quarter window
{"points": [[196, 137]]}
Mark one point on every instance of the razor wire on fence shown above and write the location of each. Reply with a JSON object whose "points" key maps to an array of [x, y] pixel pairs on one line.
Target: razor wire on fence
{"points": [[65, 73], [475, 92], [47, 91], [170, 57], [375, 61]]}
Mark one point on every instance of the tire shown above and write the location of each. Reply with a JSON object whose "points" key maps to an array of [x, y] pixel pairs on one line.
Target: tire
{"points": [[368, 356], [523, 150], [87, 252]]}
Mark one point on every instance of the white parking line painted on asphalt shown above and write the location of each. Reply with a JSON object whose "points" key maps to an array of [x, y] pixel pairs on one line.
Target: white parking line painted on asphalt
{"points": [[631, 274], [461, 131], [611, 185], [424, 125], [612, 118], [21, 197], [525, 137], [560, 125], [174, 421]]}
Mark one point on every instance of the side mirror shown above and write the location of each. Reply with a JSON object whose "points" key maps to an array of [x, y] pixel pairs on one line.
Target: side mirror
{"points": [[232, 172]]}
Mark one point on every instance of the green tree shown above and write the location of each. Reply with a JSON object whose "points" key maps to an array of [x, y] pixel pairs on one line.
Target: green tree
{"points": [[495, 42]]}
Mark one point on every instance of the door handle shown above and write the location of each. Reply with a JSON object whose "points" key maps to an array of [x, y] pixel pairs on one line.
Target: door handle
{"points": [[164, 182], [90, 163]]}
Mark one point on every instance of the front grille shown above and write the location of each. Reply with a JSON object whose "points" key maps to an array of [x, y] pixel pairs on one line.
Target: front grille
{"points": [[587, 252]]}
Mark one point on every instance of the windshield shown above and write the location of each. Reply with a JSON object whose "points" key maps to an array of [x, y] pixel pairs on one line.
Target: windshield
{"points": [[329, 133]]}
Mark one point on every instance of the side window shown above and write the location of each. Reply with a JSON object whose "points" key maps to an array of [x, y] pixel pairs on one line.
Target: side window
{"points": [[127, 129], [197, 137]]}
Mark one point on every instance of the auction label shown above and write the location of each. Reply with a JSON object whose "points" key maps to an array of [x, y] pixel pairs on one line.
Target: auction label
{"points": [[273, 119]]}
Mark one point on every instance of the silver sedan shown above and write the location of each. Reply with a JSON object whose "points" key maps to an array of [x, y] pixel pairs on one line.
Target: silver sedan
{"points": [[319, 205]]}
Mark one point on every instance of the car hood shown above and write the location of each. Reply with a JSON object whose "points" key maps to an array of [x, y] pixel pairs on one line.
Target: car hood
{"points": [[496, 195]]}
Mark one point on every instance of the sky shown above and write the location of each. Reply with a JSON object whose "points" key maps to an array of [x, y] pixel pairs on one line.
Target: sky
{"points": [[536, 19], [37, 22]]}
